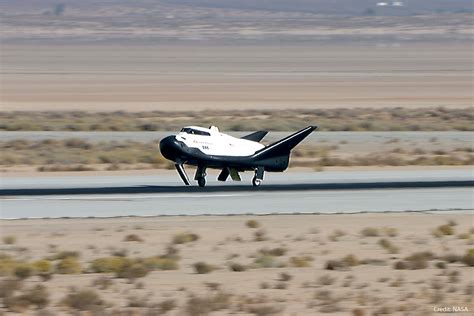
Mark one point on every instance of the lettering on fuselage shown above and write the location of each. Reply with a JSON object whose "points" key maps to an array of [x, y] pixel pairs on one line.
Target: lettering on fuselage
{"points": [[199, 142]]}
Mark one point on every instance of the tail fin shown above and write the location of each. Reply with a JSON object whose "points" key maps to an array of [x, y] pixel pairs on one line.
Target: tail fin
{"points": [[256, 136], [285, 145]]}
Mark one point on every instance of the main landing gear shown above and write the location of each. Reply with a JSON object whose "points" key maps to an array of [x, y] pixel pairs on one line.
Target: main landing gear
{"points": [[256, 182], [202, 182], [200, 176], [258, 177]]}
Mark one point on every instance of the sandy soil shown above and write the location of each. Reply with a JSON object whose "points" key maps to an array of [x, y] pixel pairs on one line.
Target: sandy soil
{"points": [[162, 77], [371, 287]]}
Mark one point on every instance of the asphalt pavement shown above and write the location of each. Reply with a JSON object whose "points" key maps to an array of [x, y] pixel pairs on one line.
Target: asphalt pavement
{"points": [[290, 192]]}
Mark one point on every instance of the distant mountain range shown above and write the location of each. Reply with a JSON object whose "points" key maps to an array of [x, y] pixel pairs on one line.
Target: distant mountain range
{"points": [[236, 20], [342, 7], [337, 6]]}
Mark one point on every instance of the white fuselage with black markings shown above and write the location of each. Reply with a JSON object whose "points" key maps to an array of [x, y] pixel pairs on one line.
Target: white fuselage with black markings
{"points": [[218, 144], [208, 148]]}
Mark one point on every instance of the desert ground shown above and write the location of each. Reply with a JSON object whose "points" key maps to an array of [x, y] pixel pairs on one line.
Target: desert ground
{"points": [[352, 264], [109, 77]]}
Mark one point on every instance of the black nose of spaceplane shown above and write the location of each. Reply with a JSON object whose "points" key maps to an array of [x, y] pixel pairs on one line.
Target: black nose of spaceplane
{"points": [[169, 147]]}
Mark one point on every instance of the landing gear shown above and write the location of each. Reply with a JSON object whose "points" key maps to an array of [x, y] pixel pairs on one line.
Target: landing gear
{"points": [[182, 173], [202, 182], [200, 176], [256, 182], [258, 177]]}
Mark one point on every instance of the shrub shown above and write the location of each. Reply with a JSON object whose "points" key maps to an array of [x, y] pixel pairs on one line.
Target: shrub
{"points": [[161, 263], [370, 232], [451, 258], [464, 236], [132, 271], [133, 237], [326, 280], [102, 282], [266, 262], [65, 254], [301, 262], [383, 310], [23, 271], [335, 235], [418, 263], [277, 252], [284, 277], [166, 306], [202, 267], [183, 238], [264, 309], [387, 245], [172, 252], [415, 261], [350, 260], [401, 265], [135, 301], [468, 258], [84, 300], [280, 286], [335, 265], [453, 277], [252, 223], [8, 287], [440, 265], [108, 264], [16, 304], [260, 235], [37, 296], [213, 286], [9, 240], [358, 312], [42, 266], [323, 295], [201, 306], [69, 265], [445, 229], [237, 267], [390, 231], [7, 265], [426, 255]]}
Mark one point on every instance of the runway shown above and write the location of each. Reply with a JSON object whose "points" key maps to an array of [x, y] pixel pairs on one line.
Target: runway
{"points": [[291, 192]]}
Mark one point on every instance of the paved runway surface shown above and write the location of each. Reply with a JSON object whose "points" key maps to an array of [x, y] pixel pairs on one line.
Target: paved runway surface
{"points": [[292, 192]]}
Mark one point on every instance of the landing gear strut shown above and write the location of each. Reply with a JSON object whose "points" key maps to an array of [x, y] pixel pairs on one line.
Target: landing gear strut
{"points": [[258, 177], [200, 176], [182, 173]]}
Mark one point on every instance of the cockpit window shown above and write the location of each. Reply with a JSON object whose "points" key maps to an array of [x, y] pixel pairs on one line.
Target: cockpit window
{"points": [[188, 130]]}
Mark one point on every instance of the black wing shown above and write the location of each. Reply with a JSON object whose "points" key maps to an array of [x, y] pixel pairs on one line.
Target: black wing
{"points": [[255, 136]]}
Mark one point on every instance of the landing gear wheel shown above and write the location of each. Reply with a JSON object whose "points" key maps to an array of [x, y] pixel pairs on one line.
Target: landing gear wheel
{"points": [[256, 182], [202, 182]]}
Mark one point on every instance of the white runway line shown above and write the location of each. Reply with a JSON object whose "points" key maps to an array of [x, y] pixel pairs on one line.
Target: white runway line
{"points": [[120, 197]]}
